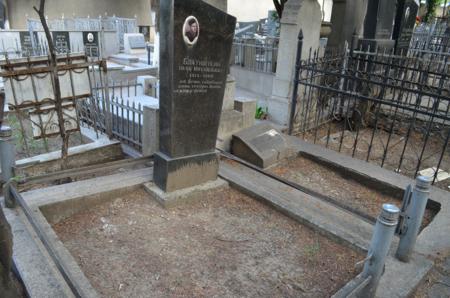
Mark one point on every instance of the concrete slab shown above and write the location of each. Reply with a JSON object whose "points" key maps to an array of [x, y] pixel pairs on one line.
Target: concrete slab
{"points": [[102, 150], [40, 276], [231, 121], [85, 188], [446, 265], [114, 66], [261, 145], [248, 108], [123, 58], [229, 96], [183, 196], [401, 279]]}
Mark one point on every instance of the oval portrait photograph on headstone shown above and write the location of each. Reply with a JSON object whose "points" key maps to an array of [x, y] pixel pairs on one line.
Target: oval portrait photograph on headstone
{"points": [[191, 30]]}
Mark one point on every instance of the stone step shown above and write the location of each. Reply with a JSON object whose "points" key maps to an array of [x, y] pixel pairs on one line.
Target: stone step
{"points": [[36, 268]]}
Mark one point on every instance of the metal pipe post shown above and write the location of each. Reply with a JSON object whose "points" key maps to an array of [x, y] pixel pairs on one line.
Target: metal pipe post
{"points": [[7, 159], [379, 248], [413, 218]]}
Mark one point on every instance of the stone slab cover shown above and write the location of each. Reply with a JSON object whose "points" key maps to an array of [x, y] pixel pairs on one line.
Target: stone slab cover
{"points": [[261, 145], [196, 41]]}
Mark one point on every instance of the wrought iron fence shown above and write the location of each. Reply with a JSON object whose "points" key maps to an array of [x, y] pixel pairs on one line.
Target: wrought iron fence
{"points": [[16, 52], [431, 37], [125, 116], [387, 109], [28, 90], [255, 55], [113, 110], [120, 89]]}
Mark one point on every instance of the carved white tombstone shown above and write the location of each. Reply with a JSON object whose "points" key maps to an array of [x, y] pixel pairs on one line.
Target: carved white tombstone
{"points": [[297, 14]]}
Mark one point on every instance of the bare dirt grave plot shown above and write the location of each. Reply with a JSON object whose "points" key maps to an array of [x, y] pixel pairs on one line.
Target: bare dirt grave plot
{"points": [[328, 182], [412, 151], [226, 245]]}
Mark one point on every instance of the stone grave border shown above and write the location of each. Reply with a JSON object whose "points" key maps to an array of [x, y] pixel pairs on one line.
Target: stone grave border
{"points": [[400, 279]]}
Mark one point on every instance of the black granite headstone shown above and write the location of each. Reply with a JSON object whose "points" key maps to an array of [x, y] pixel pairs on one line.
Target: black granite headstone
{"points": [[404, 24], [196, 41], [91, 43], [61, 41], [26, 44], [379, 24], [145, 30]]}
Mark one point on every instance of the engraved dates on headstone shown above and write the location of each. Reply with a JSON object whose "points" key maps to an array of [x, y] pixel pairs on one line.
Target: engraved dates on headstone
{"points": [[26, 43], [198, 71], [61, 41]]}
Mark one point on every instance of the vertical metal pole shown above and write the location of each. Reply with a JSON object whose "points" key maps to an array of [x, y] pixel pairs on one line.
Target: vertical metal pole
{"points": [[379, 247], [413, 218], [296, 81], [7, 159], [353, 42], [444, 10]]}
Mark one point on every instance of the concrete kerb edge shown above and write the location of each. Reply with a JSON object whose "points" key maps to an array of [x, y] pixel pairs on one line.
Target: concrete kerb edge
{"points": [[319, 229], [59, 247]]}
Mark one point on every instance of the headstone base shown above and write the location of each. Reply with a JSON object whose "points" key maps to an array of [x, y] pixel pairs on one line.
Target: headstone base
{"points": [[374, 44], [186, 195], [173, 174]]}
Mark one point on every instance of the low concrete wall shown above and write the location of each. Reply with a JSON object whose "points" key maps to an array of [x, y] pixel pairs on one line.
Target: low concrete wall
{"points": [[260, 83], [97, 152], [109, 45]]}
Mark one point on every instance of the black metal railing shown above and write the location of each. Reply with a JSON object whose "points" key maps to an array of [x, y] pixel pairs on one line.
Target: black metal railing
{"points": [[123, 116], [431, 37], [387, 109], [255, 55], [120, 89]]}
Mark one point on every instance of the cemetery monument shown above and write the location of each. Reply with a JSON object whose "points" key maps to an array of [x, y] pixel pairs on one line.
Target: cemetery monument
{"points": [[404, 24], [378, 25], [194, 61]]}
